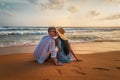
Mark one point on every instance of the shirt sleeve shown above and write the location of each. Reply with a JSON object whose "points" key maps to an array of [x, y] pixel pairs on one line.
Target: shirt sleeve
{"points": [[52, 49]]}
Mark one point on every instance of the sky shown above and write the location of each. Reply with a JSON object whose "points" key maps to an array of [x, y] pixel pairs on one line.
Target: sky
{"points": [[75, 13]]}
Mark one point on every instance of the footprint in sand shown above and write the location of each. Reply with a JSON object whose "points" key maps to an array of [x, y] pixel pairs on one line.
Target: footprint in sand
{"points": [[99, 68], [59, 71], [118, 68], [116, 60], [78, 72], [76, 66], [46, 79]]}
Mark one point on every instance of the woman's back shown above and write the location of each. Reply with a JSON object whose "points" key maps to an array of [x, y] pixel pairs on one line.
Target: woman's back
{"points": [[63, 54]]}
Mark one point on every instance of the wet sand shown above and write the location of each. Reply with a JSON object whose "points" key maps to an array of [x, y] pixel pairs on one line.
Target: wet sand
{"points": [[104, 65]]}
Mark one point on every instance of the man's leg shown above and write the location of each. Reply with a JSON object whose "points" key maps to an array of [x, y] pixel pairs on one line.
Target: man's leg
{"points": [[48, 57]]}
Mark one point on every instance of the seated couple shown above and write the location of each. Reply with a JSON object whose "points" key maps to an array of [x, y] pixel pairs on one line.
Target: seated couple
{"points": [[54, 46]]}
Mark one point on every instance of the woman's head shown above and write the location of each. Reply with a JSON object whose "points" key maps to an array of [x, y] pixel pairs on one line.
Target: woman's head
{"points": [[61, 32]]}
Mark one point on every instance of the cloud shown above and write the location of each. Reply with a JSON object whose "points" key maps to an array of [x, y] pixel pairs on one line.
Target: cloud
{"points": [[33, 1], [8, 13], [48, 4], [93, 13], [56, 4], [112, 17], [53, 4], [17, 6], [114, 1], [72, 9]]}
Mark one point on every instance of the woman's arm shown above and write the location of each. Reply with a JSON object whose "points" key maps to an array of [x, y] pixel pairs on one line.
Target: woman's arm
{"points": [[71, 50]]}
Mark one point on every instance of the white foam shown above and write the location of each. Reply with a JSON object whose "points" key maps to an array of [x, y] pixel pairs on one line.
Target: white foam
{"points": [[20, 43]]}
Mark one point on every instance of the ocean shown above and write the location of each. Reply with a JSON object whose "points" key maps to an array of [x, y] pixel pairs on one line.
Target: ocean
{"points": [[18, 36]]}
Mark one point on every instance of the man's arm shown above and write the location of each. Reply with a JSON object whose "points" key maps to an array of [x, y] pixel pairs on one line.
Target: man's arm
{"points": [[53, 53]]}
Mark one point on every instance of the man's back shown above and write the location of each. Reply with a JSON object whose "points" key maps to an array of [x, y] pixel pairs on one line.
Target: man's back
{"points": [[46, 45]]}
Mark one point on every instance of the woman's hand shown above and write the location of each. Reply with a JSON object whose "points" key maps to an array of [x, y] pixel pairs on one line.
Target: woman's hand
{"points": [[78, 60]]}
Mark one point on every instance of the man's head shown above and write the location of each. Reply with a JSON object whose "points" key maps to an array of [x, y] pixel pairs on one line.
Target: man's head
{"points": [[52, 31]]}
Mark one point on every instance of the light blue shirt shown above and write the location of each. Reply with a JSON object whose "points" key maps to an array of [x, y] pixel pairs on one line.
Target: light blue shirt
{"points": [[44, 48]]}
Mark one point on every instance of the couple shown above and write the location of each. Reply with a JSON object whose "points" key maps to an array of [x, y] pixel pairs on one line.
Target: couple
{"points": [[54, 46]]}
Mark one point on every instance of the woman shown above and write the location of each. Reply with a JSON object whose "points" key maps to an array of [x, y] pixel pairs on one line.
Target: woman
{"points": [[64, 48]]}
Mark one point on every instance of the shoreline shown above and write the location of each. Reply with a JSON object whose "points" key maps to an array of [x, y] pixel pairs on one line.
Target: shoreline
{"points": [[75, 41], [78, 47]]}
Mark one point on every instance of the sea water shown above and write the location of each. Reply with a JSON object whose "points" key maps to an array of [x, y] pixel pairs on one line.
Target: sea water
{"points": [[17, 36]]}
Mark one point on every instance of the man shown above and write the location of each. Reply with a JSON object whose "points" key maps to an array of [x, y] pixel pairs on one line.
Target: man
{"points": [[46, 48]]}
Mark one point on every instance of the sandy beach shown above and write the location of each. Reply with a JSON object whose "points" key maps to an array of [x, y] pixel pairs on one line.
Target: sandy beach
{"points": [[100, 61], [92, 27]]}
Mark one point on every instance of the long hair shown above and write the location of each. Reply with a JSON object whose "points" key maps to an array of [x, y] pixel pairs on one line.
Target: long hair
{"points": [[65, 46]]}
